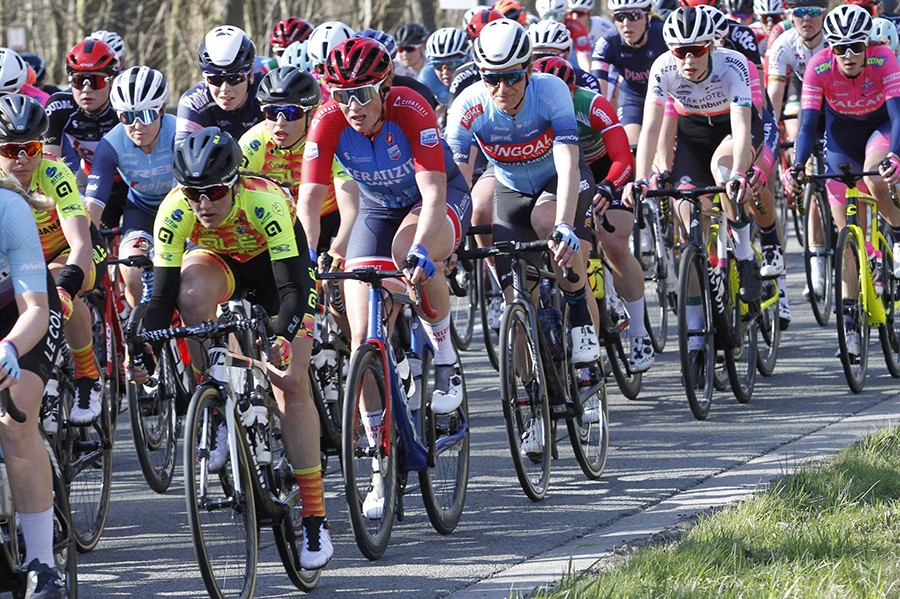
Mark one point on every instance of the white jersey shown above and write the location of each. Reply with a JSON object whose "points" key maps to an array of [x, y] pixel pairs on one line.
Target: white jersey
{"points": [[788, 53], [727, 85]]}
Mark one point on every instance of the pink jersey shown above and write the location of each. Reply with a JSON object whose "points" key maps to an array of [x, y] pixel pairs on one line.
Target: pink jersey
{"points": [[858, 97]]}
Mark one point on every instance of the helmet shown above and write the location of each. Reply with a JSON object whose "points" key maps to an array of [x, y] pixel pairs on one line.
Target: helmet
{"points": [[552, 9], [614, 5], [688, 25], [720, 21], [556, 66], [582, 5], [664, 7], [226, 49], [289, 30], [467, 16], [768, 7], [325, 37], [869, 5], [550, 34], [114, 41], [289, 85], [846, 24], [357, 61], [739, 7], [35, 62], [385, 39], [92, 55], [697, 2], [446, 42], [885, 32], [411, 34], [21, 118], [502, 44], [801, 3], [511, 9], [206, 157], [296, 55], [480, 19], [13, 71], [139, 88]]}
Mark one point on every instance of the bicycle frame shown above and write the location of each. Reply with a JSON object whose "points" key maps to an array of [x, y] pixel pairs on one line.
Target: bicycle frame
{"points": [[871, 303]]}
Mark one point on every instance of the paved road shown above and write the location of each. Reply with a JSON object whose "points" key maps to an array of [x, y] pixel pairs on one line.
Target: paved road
{"points": [[657, 451]]}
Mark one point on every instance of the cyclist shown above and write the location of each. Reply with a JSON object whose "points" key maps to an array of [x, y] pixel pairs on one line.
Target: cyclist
{"points": [[410, 38], [387, 40], [286, 32], [72, 248], [14, 76], [226, 98], [30, 329], [555, 11], [597, 26], [323, 38], [245, 239], [139, 149], [884, 32], [860, 87], [552, 38], [769, 13], [114, 41], [447, 50]]}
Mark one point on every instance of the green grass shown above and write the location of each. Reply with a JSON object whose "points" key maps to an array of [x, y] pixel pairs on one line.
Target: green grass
{"points": [[827, 531]]}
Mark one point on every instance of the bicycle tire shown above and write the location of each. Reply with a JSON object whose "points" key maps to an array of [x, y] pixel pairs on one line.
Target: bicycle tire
{"points": [[656, 304], [769, 325], [818, 214], [486, 295], [847, 258], [740, 361], [693, 268], [463, 308], [64, 550], [889, 332], [223, 525], [522, 405], [372, 535], [629, 383], [106, 354]]}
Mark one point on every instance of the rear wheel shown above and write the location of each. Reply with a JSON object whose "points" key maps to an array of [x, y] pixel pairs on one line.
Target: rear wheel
{"points": [[852, 320], [889, 332], [818, 257], [696, 340], [740, 361], [769, 326], [463, 305], [490, 302]]}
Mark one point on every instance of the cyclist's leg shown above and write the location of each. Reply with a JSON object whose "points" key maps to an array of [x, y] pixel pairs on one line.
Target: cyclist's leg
{"points": [[137, 239], [207, 279], [876, 151]]}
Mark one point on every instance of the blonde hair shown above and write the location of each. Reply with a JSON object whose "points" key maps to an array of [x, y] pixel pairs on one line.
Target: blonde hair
{"points": [[37, 201]]}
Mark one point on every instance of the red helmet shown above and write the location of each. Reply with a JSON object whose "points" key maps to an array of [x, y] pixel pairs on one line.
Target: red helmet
{"points": [[556, 66], [869, 5], [92, 55], [288, 31], [697, 2], [357, 61], [480, 19], [512, 9]]}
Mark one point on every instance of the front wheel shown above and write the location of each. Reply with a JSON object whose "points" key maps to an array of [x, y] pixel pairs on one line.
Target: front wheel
{"points": [[818, 257], [589, 432], [769, 326], [852, 319], [490, 302], [740, 361], [463, 306], [696, 338]]}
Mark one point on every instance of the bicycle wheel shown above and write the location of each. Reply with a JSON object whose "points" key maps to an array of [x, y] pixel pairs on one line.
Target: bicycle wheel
{"points": [[360, 459], [64, 550], [222, 521], [656, 296], [817, 254], [853, 320], [447, 438], [697, 364], [589, 432], [523, 396], [490, 302], [629, 383], [889, 332], [463, 306], [740, 361], [768, 324], [107, 357]]}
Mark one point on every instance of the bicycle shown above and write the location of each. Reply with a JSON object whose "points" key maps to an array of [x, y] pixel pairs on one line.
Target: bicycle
{"points": [[12, 542], [226, 508], [490, 298], [540, 385], [411, 438], [463, 301]]}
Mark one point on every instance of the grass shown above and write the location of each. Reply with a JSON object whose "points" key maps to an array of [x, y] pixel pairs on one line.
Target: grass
{"points": [[826, 531]]}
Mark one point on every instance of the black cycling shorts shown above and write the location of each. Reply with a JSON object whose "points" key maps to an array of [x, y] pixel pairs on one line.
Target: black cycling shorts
{"points": [[42, 356]]}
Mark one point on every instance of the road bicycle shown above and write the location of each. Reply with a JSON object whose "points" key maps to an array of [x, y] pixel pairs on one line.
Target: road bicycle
{"points": [[330, 338], [411, 437], [227, 508], [12, 542], [463, 300], [488, 294]]}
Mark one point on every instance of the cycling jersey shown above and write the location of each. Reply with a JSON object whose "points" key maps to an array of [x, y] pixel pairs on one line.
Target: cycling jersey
{"points": [[600, 26], [22, 268], [385, 166], [197, 109], [520, 146], [56, 181], [581, 41], [76, 131], [33, 92], [597, 127], [149, 176], [262, 155], [415, 85], [742, 39], [789, 54], [633, 64], [464, 76], [435, 85]]}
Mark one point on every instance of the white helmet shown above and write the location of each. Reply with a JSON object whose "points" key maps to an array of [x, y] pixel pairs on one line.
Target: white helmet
{"points": [[446, 42], [884, 32], [552, 9], [846, 24], [139, 88], [325, 37], [768, 7], [550, 34], [114, 41], [471, 13], [720, 21], [226, 49], [13, 71], [296, 55], [585, 5], [688, 25], [502, 43], [615, 5]]}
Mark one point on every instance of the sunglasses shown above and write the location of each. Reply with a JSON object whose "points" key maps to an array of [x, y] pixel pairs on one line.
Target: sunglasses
{"points": [[231, 79], [772, 19], [580, 13], [407, 48], [290, 112], [854, 49], [95, 81], [508, 77], [146, 117], [213, 193], [695, 50], [14, 150], [628, 15], [362, 94], [808, 11], [452, 64]]}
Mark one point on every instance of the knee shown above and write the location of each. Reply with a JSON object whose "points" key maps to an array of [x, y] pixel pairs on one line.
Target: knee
{"points": [[194, 303]]}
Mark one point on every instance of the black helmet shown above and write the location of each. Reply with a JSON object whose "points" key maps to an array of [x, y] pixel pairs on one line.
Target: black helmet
{"points": [[411, 34], [22, 118], [207, 157], [35, 62], [739, 7], [289, 85]]}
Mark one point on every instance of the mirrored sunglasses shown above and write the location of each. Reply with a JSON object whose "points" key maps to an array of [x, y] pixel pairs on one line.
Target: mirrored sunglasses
{"points": [[854, 49], [695, 50], [146, 117], [31, 149], [213, 193], [231, 79], [628, 15], [79, 81], [451, 64], [808, 11], [362, 94], [290, 112], [508, 77]]}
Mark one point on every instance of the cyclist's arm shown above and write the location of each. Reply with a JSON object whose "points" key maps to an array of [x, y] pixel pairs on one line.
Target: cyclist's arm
{"points": [[600, 64], [893, 105], [346, 192], [775, 90], [100, 181], [742, 158], [565, 158], [603, 119], [310, 197], [433, 187], [189, 119], [166, 283], [650, 133], [812, 97]]}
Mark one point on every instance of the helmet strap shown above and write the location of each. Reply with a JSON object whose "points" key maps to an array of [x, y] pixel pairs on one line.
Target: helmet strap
{"points": [[809, 41], [641, 40]]}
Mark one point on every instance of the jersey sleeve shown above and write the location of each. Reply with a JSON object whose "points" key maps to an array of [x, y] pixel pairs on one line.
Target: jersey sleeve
{"points": [[103, 173], [272, 216], [658, 88], [579, 35], [603, 119], [557, 100], [813, 92], [58, 109], [739, 88], [460, 120], [57, 181], [22, 246], [189, 120], [172, 227], [419, 125], [778, 58], [321, 144]]}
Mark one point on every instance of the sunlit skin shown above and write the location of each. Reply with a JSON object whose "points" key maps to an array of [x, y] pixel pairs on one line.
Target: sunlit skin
{"points": [[808, 27], [414, 59], [286, 133], [364, 119], [145, 136], [508, 98], [90, 99], [633, 31], [230, 97]]}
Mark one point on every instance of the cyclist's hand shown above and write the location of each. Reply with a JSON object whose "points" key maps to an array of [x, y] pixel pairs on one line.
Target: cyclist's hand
{"points": [[282, 352], [331, 261], [737, 188], [792, 179], [604, 198], [9, 364], [565, 244], [890, 169], [424, 269], [632, 192], [138, 370], [66, 301], [758, 179]]}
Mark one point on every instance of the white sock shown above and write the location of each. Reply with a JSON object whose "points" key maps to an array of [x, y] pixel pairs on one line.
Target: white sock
{"points": [[37, 528], [372, 421], [636, 325], [439, 334], [742, 248]]}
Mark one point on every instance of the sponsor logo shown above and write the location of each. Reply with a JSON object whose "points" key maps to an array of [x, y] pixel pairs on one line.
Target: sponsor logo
{"points": [[386, 175], [51, 171], [470, 115], [522, 152], [401, 102], [177, 215], [429, 137], [255, 144], [311, 150], [393, 152]]}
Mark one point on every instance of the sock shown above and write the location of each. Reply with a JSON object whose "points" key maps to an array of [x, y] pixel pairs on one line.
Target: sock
{"points": [[312, 500], [439, 334], [695, 322], [742, 248], [37, 528], [372, 421], [636, 327], [578, 310], [782, 284], [84, 362], [769, 235]]}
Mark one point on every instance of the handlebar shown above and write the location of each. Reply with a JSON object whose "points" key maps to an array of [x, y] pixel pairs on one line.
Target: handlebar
{"points": [[370, 275], [209, 329], [8, 406], [137, 261]]}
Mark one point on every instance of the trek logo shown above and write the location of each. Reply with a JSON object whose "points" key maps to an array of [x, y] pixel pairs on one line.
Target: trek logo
{"points": [[522, 152]]}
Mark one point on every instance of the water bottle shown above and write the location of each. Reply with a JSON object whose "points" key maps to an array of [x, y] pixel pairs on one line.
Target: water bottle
{"points": [[50, 407], [415, 371], [876, 266], [550, 318]]}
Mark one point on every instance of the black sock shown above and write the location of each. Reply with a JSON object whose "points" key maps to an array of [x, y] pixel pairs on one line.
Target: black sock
{"points": [[578, 310], [769, 235]]}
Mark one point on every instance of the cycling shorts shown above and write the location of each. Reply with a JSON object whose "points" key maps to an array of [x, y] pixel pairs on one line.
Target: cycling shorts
{"points": [[849, 142], [697, 143], [42, 356], [137, 226], [630, 109]]}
